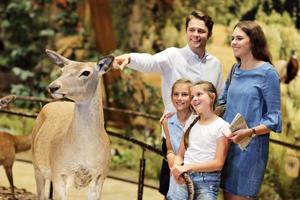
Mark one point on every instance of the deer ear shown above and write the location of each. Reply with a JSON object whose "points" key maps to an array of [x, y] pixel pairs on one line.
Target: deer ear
{"points": [[105, 64], [57, 58]]}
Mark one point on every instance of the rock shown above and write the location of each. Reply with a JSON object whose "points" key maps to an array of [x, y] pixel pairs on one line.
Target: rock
{"points": [[20, 193]]}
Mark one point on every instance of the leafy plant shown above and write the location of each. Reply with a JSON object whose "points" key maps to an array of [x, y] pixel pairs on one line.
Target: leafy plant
{"points": [[24, 35], [135, 94]]}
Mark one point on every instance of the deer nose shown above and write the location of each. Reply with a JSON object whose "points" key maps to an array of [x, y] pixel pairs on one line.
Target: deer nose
{"points": [[53, 87]]}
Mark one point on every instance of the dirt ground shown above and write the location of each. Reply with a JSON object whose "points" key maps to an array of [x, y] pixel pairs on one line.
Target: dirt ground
{"points": [[112, 189]]}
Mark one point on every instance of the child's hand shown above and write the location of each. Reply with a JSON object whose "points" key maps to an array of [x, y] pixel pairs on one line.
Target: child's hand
{"points": [[166, 116], [180, 180], [177, 170]]}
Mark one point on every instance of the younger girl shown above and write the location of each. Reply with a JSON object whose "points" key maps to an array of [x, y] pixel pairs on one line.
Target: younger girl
{"points": [[175, 126], [203, 149]]}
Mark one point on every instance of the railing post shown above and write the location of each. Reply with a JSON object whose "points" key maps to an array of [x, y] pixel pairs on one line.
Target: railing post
{"points": [[141, 175], [51, 190]]}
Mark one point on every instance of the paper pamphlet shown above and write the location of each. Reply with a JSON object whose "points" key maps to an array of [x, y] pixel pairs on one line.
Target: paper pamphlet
{"points": [[239, 123]]}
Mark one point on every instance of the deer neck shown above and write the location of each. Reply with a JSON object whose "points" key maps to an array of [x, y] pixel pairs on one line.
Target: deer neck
{"points": [[88, 118]]}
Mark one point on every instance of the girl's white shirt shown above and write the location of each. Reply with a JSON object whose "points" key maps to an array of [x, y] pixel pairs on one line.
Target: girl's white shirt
{"points": [[203, 141]]}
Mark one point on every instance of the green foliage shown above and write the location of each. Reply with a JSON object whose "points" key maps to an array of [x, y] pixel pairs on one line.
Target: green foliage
{"points": [[66, 21], [26, 29], [128, 159], [15, 125], [275, 18], [282, 40], [282, 36], [23, 74], [277, 184], [19, 19], [135, 94], [24, 35], [120, 15], [268, 189], [126, 155], [153, 165]]}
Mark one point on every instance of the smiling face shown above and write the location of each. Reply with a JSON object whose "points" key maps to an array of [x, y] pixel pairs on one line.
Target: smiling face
{"points": [[201, 100], [197, 34], [181, 96], [240, 43]]}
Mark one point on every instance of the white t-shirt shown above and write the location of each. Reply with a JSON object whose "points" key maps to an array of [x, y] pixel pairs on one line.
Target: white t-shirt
{"points": [[203, 141]]}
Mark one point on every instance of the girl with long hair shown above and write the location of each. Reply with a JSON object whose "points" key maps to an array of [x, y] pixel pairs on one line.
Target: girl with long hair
{"points": [[203, 148]]}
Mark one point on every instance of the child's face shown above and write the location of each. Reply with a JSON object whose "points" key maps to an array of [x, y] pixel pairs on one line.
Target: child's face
{"points": [[181, 96], [200, 99]]}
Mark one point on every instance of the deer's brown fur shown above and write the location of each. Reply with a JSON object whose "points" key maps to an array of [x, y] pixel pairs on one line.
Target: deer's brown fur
{"points": [[9, 146]]}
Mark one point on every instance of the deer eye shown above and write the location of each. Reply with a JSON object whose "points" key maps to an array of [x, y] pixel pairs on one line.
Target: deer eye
{"points": [[85, 73]]}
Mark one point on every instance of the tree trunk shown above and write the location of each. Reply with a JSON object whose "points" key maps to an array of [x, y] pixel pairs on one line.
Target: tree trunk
{"points": [[105, 41]]}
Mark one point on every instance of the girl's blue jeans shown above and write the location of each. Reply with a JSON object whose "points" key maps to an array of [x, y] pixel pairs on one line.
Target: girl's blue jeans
{"points": [[206, 186]]}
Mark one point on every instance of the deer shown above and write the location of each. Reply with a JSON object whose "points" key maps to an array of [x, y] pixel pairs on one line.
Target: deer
{"points": [[9, 146], [70, 146]]}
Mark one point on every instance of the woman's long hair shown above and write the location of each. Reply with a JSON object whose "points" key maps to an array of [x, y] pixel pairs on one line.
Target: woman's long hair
{"points": [[258, 41]]}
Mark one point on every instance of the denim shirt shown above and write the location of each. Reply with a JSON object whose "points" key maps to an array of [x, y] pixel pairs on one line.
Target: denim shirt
{"points": [[176, 130], [255, 94]]}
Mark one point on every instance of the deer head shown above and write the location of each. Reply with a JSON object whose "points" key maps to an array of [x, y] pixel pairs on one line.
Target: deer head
{"points": [[78, 80]]}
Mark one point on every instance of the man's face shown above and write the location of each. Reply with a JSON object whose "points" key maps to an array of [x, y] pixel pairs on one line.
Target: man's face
{"points": [[197, 34]]}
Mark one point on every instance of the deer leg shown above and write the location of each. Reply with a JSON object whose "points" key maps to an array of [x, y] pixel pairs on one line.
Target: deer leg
{"points": [[95, 188], [40, 184], [8, 171], [60, 188]]}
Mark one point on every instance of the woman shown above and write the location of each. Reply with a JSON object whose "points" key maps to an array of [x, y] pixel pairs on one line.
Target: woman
{"points": [[254, 92]]}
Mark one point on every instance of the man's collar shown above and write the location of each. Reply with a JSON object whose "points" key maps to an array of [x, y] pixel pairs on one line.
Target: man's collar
{"points": [[193, 54]]}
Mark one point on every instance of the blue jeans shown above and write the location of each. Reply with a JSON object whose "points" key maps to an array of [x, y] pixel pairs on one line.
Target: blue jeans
{"points": [[206, 186]]}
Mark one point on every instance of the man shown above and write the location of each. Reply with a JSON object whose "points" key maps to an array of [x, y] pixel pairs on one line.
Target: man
{"points": [[191, 62]]}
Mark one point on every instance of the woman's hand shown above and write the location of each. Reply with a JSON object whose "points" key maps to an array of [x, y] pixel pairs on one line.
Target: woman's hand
{"points": [[121, 61], [239, 135]]}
